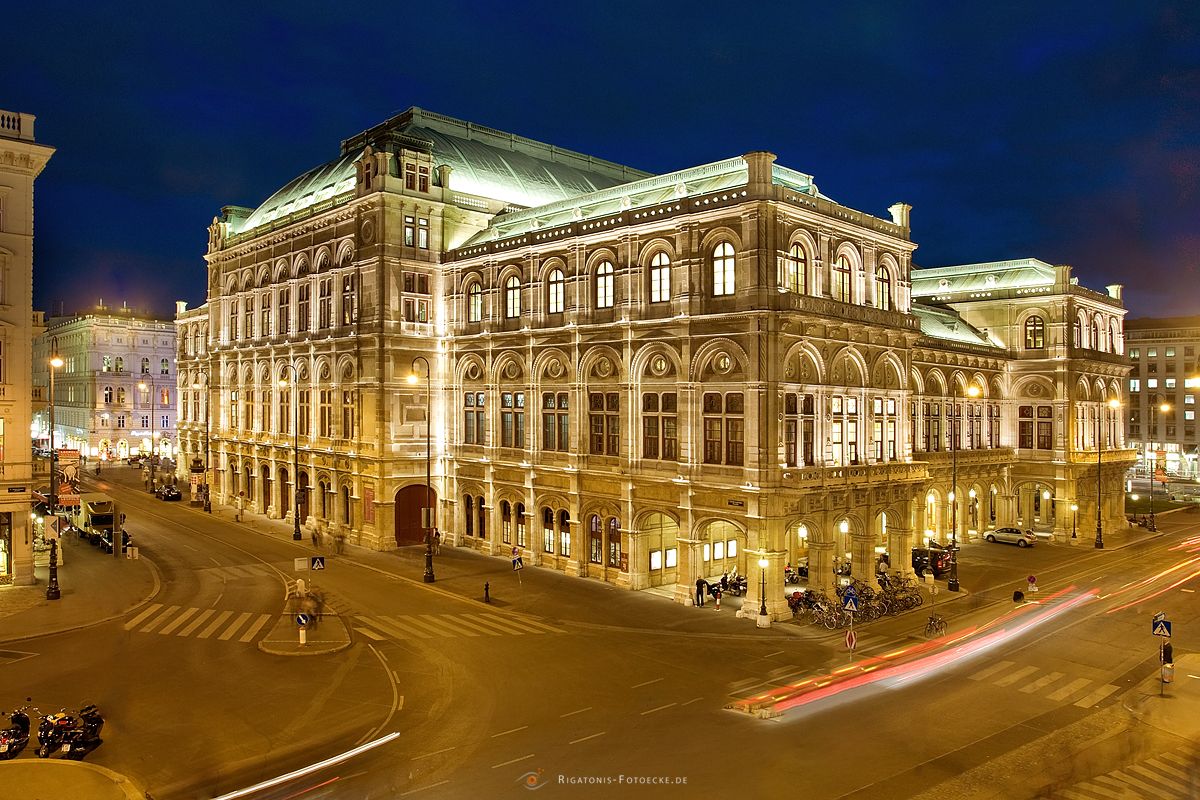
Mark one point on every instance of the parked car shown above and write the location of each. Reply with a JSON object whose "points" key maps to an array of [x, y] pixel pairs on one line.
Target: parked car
{"points": [[168, 492], [106, 541], [1012, 536], [133, 460], [932, 558]]}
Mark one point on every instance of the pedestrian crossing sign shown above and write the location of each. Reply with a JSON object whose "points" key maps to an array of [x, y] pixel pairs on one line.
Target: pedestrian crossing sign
{"points": [[518, 563], [1162, 628], [317, 562], [850, 602]]}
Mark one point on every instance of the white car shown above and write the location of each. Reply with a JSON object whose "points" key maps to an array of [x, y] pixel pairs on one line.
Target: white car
{"points": [[1013, 536]]}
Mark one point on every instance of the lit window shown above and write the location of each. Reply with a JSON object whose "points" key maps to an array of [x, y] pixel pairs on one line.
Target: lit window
{"points": [[604, 285], [883, 288], [554, 292], [795, 270], [660, 278], [1152, 383], [512, 297], [1169, 383], [841, 280], [1035, 333], [723, 264], [474, 302], [1135, 385]]}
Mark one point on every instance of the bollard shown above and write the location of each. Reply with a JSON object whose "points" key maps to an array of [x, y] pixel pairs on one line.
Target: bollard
{"points": [[718, 601], [1018, 596], [303, 637], [487, 598]]}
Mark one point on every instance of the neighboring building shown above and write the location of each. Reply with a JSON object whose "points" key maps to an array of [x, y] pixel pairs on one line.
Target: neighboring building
{"points": [[21, 160], [637, 378], [1166, 369], [116, 388]]}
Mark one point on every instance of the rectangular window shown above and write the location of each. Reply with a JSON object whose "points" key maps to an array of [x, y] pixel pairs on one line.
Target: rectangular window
{"points": [[564, 428], [325, 413], [303, 320], [145, 420], [479, 419], [248, 318], [1135, 385], [284, 307], [1134, 354], [348, 402], [410, 231], [265, 309], [234, 416], [1152, 352], [325, 303], [285, 410], [423, 233], [410, 177], [1169, 383], [469, 418], [659, 426], [512, 419], [120, 420], [304, 398], [604, 423], [1170, 353], [1152, 383], [723, 426], [349, 299], [549, 420]]}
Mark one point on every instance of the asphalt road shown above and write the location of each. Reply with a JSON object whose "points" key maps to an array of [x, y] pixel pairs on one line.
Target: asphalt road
{"points": [[570, 687]]}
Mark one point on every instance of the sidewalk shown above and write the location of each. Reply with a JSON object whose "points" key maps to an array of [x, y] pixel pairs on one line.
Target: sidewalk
{"points": [[44, 779]]}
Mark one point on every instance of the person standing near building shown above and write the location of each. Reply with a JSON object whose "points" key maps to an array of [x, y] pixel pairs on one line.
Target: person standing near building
{"points": [[240, 506], [701, 590]]}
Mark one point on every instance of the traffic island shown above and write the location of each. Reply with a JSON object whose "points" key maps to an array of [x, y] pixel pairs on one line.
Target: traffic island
{"points": [[323, 634]]}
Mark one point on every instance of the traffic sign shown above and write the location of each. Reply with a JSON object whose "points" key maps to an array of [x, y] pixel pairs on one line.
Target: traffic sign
{"points": [[518, 563], [300, 564], [1162, 628], [317, 562], [851, 639], [849, 602], [1160, 616], [302, 619]]}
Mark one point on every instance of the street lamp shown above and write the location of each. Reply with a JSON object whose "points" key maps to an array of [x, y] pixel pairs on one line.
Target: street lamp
{"points": [[1164, 408], [153, 446], [207, 436], [283, 384], [1074, 516], [427, 512], [52, 590], [1114, 404], [955, 432], [762, 596]]}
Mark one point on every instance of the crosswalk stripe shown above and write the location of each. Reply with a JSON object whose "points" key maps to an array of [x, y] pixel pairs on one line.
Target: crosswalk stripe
{"points": [[216, 623], [471, 623], [393, 627], [1140, 785], [1178, 757], [133, 623], [1013, 677], [1041, 682], [253, 629], [432, 619], [197, 622], [370, 634], [1157, 779], [1070, 689], [154, 623], [233, 626], [504, 625], [1072, 794], [993, 669], [1105, 791], [1096, 696], [179, 620], [531, 622], [1159, 766]]}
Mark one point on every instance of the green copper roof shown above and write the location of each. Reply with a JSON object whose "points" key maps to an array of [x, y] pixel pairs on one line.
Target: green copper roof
{"points": [[942, 323], [1018, 273], [484, 162]]}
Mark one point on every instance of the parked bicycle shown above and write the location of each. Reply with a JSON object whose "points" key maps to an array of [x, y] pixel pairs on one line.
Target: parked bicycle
{"points": [[936, 626]]}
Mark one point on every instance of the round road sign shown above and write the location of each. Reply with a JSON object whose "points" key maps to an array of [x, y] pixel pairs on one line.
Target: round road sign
{"points": [[302, 619]]}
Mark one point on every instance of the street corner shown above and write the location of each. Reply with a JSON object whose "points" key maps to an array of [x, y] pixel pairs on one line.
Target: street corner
{"points": [[58, 778], [292, 636], [1169, 699]]}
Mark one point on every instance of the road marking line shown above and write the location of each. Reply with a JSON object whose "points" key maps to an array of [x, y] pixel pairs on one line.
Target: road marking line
{"points": [[1142, 785], [585, 738], [513, 761], [1106, 791], [994, 668], [423, 788], [133, 623], [175, 623], [1042, 682], [502, 625], [1096, 696], [660, 708], [197, 622], [529, 622], [506, 733], [573, 713], [689, 702], [255, 628], [1068, 690], [216, 623], [1013, 677], [394, 627], [450, 622], [1188, 590], [645, 683], [159, 620], [1167, 769], [433, 628], [471, 624], [1071, 794], [436, 752], [370, 634], [772, 655], [1156, 779], [233, 626]]}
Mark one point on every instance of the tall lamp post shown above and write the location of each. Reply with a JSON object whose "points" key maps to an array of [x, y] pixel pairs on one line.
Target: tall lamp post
{"points": [[52, 590], [1164, 408], [207, 436], [1114, 404], [1074, 517], [153, 444], [283, 384], [427, 512], [955, 432]]}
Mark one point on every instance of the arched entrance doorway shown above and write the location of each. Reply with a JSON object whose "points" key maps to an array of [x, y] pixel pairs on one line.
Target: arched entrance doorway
{"points": [[659, 533], [721, 551], [409, 502]]}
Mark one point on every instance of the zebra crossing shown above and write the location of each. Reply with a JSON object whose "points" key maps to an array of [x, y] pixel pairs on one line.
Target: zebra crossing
{"points": [[429, 626], [1054, 686], [1168, 776], [199, 623], [240, 571]]}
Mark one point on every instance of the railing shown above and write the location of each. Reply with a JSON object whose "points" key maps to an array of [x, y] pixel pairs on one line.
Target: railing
{"points": [[1109, 455], [15, 125]]}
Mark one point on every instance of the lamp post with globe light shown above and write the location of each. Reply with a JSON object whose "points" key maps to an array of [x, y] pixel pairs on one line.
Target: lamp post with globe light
{"points": [[763, 620], [427, 512], [1074, 516], [206, 489], [955, 432], [52, 589]]}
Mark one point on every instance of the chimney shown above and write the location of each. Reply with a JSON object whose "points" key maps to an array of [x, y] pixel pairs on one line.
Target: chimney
{"points": [[900, 212]]}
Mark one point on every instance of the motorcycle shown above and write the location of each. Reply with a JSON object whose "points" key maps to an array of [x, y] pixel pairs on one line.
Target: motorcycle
{"points": [[14, 738], [72, 735]]}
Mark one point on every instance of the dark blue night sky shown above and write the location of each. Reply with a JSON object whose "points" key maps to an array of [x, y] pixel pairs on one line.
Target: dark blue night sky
{"points": [[1065, 131]]}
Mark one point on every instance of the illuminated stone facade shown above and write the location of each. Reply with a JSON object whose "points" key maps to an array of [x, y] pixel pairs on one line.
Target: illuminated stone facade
{"points": [[1165, 353], [645, 381], [22, 159]]}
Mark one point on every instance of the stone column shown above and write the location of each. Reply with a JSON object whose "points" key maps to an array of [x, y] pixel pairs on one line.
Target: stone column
{"points": [[689, 569], [862, 564], [576, 563], [900, 544], [820, 565], [776, 603]]}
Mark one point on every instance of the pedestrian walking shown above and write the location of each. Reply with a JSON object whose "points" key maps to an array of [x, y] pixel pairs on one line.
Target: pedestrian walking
{"points": [[701, 590], [316, 538], [240, 506], [437, 543], [339, 542]]}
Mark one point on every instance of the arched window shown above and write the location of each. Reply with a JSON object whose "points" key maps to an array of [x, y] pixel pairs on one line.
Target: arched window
{"points": [[512, 297], [548, 531], [233, 320], [614, 542], [595, 540], [1035, 333], [883, 288], [505, 522], [164, 367], [795, 270], [564, 534], [520, 515], [482, 517], [120, 395], [604, 285], [469, 514], [1097, 335], [108, 394], [723, 263], [474, 302], [145, 366], [841, 280], [346, 504], [660, 278], [554, 292], [120, 364]]}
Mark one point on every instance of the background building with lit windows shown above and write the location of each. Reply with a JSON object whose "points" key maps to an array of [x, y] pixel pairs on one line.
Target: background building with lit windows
{"points": [[1166, 370], [640, 378], [22, 159], [116, 388]]}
